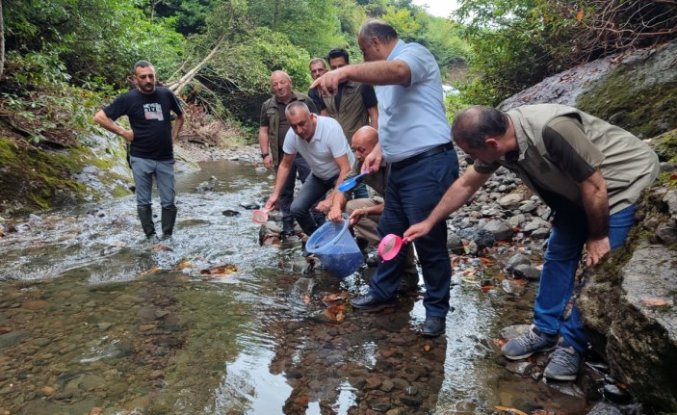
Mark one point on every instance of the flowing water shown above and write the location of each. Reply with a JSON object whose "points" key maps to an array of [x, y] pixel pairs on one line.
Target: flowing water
{"points": [[94, 320]]}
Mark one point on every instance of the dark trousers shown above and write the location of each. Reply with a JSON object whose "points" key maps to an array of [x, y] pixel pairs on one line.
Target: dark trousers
{"points": [[301, 170], [411, 194], [313, 190]]}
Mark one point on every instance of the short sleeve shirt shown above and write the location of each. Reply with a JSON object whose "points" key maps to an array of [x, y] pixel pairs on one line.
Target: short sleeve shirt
{"points": [[327, 144], [412, 119], [149, 116]]}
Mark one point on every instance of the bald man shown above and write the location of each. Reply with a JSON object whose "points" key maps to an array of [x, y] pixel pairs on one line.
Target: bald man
{"points": [[366, 212], [272, 131]]}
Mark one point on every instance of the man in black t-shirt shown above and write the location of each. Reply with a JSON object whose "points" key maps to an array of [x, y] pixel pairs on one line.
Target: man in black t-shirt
{"points": [[151, 136]]}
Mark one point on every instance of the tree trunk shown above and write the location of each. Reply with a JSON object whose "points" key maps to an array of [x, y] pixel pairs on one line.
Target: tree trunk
{"points": [[185, 79], [2, 41]]}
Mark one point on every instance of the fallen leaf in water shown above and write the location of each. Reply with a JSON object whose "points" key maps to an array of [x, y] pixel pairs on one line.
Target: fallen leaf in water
{"points": [[185, 264], [656, 302], [335, 312], [520, 281], [486, 288], [4, 329], [486, 261], [161, 248], [426, 347], [150, 271], [96, 411], [511, 410], [329, 299], [219, 271], [542, 412]]}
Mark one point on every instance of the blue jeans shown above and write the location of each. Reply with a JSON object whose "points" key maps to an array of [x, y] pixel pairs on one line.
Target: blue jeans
{"points": [[564, 252], [411, 194], [143, 171], [313, 190], [301, 170]]}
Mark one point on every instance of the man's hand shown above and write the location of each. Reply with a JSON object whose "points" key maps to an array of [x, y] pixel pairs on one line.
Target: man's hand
{"points": [[127, 135], [356, 215], [418, 230], [328, 83], [373, 161], [268, 162], [272, 201], [595, 250], [324, 205], [335, 214]]}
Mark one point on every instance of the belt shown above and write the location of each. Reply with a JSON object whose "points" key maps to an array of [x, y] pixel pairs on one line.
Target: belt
{"points": [[413, 159]]}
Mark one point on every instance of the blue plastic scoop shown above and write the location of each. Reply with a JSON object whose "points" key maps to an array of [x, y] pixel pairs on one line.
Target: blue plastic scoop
{"points": [[350, 183]]}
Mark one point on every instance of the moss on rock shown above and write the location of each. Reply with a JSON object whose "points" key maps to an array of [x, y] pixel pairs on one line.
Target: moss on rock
{"points": [[666, 146], [34, 178], [640, 95]]}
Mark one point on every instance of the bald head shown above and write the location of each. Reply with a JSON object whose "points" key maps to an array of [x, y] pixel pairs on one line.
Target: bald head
{"points": [[474, 125], [363, 141]]}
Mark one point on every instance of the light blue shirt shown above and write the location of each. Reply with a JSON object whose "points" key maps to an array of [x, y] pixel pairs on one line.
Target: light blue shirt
{"points": [[411, 119], [327, 144]]}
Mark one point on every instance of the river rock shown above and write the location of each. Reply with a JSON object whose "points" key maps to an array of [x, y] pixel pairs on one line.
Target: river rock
{"points": [[603, 408], [631, 315], [500, 229], [515, 260], [528, 272], [511, 200]]}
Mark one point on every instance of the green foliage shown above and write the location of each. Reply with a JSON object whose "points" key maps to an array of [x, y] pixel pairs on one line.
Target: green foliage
{"points": [[97, 40], [408, 26], [507, 42], [313, 25]]}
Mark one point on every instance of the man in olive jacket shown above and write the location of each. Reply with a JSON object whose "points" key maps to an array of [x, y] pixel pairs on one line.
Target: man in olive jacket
{"points": [[588, 171], [272, 130]]}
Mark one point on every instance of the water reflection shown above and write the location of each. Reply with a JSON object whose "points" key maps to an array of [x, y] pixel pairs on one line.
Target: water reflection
{"points": [[93, 316]]}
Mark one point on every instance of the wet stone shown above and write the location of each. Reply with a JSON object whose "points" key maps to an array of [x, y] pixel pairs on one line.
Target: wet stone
{"points": [[528, 272], [387, 385], [12, 338], [411, 401], [379, 406], [519, 368]]}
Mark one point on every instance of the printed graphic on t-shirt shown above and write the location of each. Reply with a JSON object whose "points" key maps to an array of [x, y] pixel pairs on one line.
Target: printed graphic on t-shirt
{"points": [[153, 111]]}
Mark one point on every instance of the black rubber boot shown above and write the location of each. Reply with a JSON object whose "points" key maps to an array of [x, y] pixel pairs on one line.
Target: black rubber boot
{"points": [[168, 219], [146, 218]]}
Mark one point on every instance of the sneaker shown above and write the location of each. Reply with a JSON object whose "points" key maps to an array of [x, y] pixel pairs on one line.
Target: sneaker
{"points": [[528, 343], [564, 363]]}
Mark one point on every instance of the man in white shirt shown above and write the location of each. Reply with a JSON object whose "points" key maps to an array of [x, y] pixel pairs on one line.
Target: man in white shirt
{"points": [[322, 143]]}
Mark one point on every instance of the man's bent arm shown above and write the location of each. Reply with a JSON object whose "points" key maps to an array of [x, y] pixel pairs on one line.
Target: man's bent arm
{"points": [[102, 119], [263, 139], [373, 116], [395, 72], [596, 204], [281, 177], [176, 128]]}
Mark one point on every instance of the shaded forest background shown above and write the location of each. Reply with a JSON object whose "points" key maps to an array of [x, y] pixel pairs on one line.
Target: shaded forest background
{"points": [[63, 59]]}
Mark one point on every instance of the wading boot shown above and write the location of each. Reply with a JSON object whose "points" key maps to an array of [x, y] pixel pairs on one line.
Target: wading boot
{"points": [[168, 220], [146, 218]]}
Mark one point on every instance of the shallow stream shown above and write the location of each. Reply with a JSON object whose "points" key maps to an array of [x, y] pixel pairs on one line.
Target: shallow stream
{"points": [[94, 320]]}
